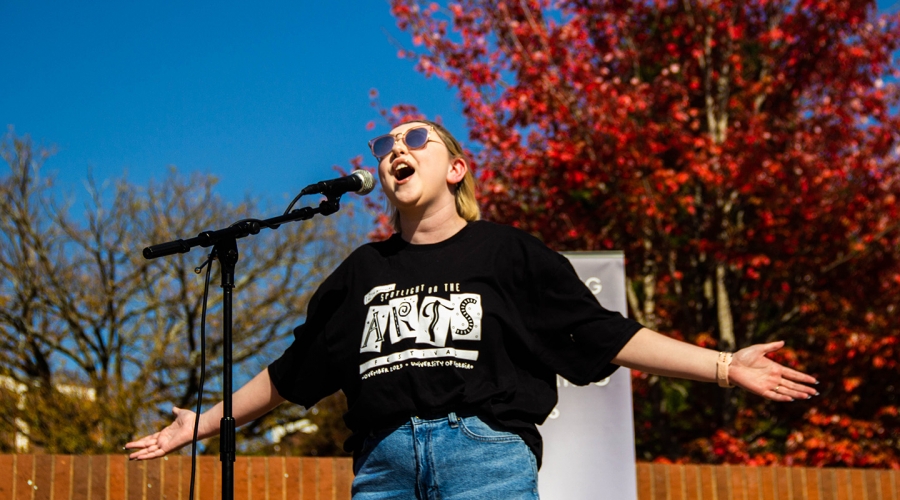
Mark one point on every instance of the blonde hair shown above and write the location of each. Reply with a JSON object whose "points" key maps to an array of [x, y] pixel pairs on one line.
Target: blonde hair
{"points": [[466, 204]]}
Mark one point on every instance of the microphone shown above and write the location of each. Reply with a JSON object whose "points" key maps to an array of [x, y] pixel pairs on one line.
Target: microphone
{"points": [[359, 182]]}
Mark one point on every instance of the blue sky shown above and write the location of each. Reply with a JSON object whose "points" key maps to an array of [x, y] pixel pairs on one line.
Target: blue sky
{"points": [[267, 96]]}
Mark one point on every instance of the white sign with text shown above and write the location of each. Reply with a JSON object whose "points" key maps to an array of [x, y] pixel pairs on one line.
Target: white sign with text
{"points": [[589, 436]]}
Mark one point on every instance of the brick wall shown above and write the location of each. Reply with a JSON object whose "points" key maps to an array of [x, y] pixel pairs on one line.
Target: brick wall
{"points": [[706, 482], [113, 477]]}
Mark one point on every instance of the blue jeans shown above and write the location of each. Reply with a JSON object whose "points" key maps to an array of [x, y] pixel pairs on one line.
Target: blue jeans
{"points": [[446, 458]]}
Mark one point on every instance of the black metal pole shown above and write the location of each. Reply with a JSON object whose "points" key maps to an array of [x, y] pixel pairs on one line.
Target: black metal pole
{"points": [[227, 253]]}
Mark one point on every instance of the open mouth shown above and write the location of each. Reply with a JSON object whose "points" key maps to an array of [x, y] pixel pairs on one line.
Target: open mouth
{"points": [[403, 171]]}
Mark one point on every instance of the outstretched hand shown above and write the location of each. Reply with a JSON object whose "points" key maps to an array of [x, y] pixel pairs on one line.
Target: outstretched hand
{"points": [[177, 434], [752, 370]]}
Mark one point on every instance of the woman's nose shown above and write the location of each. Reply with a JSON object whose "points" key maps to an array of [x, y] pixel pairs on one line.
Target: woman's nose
{"points": [[399, 145]]}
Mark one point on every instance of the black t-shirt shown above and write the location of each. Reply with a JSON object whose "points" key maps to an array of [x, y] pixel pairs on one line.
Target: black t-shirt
{"points": [[479, 324]]}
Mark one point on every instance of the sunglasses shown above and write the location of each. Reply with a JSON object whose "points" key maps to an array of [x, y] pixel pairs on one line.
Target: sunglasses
{"points": [[414, 138]]}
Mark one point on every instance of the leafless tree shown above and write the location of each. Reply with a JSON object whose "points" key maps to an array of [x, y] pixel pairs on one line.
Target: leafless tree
{"points": [[97, 343]]}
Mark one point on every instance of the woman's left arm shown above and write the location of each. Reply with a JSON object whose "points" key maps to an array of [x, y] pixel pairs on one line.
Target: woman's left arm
{"points": [[652, 352]]}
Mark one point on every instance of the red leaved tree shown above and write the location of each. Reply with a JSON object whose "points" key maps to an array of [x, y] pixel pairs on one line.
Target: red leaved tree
{"points": [[743, 154]]}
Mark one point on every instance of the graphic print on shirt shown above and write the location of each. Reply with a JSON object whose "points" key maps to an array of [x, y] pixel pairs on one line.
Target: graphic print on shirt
{"points": [[430, 321]]}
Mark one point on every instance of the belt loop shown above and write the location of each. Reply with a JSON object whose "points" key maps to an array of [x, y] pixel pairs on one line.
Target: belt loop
{"points": [[453, 420]]}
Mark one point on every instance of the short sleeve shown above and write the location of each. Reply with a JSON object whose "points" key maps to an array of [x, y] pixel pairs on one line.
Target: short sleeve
{"points": [[567, 329], [306, 372]]}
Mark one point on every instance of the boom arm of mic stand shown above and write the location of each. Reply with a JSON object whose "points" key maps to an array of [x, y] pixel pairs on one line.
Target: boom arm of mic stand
{"points": [[240, 229]]}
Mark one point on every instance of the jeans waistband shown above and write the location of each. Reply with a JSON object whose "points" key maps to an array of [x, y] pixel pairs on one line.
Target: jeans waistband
{"points": [[427, 417], [451, 417]]}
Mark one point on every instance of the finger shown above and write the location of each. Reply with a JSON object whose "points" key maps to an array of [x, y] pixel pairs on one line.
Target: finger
{"points": [[797, 391], [776, 395], [141, 443], [147, 453], [792, 394], [144, 442], [791, 374], [147, 456], [143, 449], [772, 346]]}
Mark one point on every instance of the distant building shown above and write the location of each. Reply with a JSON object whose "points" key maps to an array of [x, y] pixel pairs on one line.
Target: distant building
{"points": [[280, 431], [22, 443]]}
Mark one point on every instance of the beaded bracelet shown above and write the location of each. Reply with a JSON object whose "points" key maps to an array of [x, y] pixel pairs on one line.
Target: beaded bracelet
{"points": [[722, 365]]}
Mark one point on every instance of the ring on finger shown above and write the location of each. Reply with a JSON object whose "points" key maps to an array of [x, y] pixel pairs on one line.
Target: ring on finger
{"points": [[776, 388]]}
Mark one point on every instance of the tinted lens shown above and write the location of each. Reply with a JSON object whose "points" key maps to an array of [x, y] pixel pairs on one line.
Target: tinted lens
{"points": [[382, 145], [416, 138]]}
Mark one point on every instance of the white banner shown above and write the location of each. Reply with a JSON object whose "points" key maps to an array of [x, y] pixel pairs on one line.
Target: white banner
{"points": [[589, 437]]}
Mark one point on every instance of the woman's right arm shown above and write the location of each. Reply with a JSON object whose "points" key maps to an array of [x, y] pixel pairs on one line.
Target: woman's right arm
{"points": [[250, 402]]}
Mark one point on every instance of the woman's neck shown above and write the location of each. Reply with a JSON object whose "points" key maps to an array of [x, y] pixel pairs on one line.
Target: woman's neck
{"points": [[431, 228]]}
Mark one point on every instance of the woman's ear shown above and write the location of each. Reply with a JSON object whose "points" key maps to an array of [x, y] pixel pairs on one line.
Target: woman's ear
{"points": [[456, 172]]}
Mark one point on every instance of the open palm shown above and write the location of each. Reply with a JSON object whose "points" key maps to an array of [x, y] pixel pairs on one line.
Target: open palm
{"points": [[177, 434], [752, 370]]}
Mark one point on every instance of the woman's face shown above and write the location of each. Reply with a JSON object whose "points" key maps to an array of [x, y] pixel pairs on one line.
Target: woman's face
{"points": [[419, 178]]}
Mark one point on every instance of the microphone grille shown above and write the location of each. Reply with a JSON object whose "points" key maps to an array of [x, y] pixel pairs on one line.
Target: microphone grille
{"points": [[368, 181]]}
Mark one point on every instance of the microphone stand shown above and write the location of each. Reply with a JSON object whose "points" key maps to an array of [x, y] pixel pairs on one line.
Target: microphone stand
{"points": [[224, 243]]}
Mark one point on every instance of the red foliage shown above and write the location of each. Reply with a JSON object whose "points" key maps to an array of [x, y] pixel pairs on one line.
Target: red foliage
{"points": [[744, 154]]}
